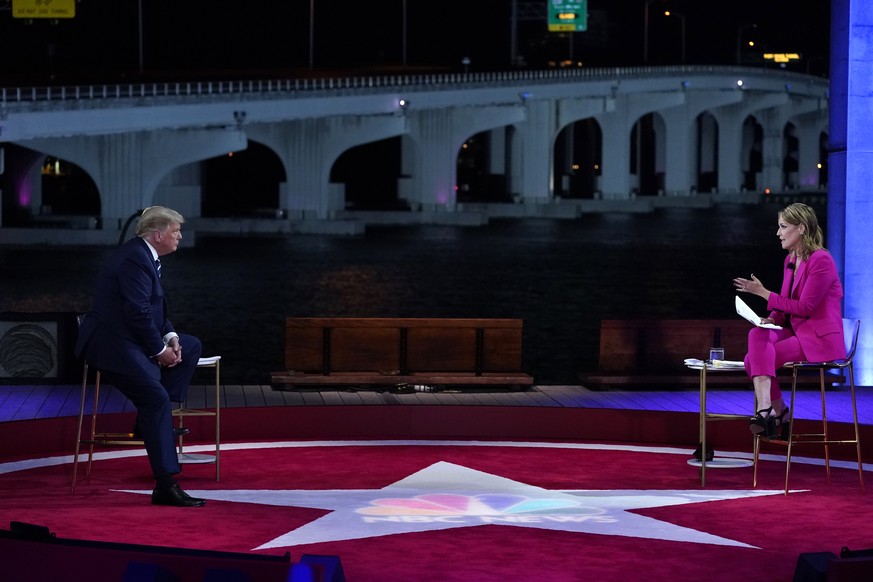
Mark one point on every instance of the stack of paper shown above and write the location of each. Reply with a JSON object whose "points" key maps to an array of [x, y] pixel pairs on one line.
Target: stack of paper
{"points": [[727, 364], [720, 364]]}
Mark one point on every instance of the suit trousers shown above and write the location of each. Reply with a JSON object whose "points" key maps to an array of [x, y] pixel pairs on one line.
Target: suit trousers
{"points": [[153, 400], [770, 349]]}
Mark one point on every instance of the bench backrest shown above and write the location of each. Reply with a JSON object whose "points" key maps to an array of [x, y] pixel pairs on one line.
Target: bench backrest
{"points": [[402, 345], [662, 345]]}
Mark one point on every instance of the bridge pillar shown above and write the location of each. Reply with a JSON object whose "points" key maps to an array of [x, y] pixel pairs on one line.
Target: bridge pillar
{"points": [[433, 148], [772, 174], [809, 152], [681, 146], [308, 149], [127, 167], [730, 148], [431, 153], [532, 167]]}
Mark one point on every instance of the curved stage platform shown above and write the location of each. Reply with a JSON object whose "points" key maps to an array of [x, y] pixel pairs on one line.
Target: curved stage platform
{"points": [[594, 485]]}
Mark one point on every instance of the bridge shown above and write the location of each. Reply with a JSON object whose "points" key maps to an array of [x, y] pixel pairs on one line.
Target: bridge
{"points": [[456, 148]]}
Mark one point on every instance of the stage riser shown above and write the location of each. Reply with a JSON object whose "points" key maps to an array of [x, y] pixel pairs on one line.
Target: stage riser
{"points": [[24, 439]]}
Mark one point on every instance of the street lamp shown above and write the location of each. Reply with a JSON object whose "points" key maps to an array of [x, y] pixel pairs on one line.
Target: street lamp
{"points": [[403, 26], [646, 31], [681, 18], [311, 34], [740, 41]]}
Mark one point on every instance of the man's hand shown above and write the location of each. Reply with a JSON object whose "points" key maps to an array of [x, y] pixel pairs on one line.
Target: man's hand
{"points": [[172, 355]]}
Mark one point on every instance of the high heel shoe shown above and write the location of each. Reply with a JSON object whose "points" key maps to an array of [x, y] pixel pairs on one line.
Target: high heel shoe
{"points": [[783, 425], [763, 425]]}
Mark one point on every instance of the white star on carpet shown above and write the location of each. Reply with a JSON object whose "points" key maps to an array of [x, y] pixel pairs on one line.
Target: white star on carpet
{"points": [[444, 496]]}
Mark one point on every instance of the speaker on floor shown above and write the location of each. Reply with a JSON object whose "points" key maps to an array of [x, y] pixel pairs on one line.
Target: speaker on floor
{"points": [[813, 566], [849, 566], [327, 568], [32, 552]]}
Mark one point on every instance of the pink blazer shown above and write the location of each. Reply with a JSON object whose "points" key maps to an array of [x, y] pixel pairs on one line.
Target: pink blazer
{"points": [[810, 300]]}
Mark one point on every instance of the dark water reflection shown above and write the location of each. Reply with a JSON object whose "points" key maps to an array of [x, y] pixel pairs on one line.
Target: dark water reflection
{"points": [[560, 277]]}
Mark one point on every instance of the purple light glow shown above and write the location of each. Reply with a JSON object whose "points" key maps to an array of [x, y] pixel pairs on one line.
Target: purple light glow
{"points": [[23, 193]]}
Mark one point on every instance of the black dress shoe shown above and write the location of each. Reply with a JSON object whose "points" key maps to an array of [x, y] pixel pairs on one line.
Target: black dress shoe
{"points": [[710, 454], [177, 432], [175, 497]]}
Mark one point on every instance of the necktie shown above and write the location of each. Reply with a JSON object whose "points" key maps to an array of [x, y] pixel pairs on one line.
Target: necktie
{"points": [[158, 266]]}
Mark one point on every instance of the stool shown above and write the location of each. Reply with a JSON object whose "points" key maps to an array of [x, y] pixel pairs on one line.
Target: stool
{"points": [[119, 439], [851, 330], [182, 412]]}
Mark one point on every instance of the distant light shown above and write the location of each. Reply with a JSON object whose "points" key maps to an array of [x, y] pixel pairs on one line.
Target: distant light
{"points": [[781, 57], [767, 191], [403, 103], [230, 154], [818, 165], [739, 82]]}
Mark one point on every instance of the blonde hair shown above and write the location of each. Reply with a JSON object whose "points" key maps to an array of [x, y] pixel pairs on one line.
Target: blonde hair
{"points": [[812, 238], [157, 218]]}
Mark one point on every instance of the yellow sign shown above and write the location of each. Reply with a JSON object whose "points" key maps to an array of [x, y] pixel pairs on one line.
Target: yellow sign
{"points": [[43, 8], [781, 57]]}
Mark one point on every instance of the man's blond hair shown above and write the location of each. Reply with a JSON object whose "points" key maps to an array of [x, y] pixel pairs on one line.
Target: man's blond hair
{"points": [[157, 218]]}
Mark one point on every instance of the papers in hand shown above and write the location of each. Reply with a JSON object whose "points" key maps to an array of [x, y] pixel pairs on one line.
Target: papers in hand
{"points": [[746, 313]]}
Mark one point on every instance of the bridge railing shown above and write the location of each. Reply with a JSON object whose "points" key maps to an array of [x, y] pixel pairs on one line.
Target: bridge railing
{"points": [[356, 83]]}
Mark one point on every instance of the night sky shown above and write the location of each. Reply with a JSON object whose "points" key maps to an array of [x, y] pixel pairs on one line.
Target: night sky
{"points": [[272, 38]]}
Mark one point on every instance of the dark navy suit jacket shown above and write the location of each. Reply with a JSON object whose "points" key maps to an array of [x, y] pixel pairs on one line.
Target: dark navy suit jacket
{"points": [[128, 320]]}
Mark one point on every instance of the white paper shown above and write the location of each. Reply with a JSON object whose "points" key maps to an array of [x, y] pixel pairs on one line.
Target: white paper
{"points": [[746, 313], [696, 364], [729, 364]]}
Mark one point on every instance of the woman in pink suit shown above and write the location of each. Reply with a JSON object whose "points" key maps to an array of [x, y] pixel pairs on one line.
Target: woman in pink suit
{"points": [[808, 308]]}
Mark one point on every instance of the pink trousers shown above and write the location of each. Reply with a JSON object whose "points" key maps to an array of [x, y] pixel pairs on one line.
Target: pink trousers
{"points": [[769, 349]]}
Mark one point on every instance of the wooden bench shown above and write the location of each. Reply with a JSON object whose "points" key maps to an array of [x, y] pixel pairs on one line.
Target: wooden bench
{"points": [[396, 351], [651, 353]]}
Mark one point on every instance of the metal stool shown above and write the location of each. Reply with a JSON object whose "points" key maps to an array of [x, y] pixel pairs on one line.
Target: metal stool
{"points": [[851, 328], [120, 439], [182, 412]]}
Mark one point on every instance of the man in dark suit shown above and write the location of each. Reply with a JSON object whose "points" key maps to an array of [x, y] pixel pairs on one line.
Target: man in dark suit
{"points": [[128, 337]]}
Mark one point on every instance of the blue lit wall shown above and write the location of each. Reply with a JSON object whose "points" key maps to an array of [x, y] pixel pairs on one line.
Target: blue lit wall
{"points": [[850, 167]]}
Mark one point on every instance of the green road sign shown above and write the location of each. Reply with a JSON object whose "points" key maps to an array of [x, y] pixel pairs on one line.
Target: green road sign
{"points": [[568, 15]]}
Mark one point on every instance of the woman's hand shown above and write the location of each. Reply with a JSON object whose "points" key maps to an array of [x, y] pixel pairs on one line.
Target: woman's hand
{"points": [[753, 286]]}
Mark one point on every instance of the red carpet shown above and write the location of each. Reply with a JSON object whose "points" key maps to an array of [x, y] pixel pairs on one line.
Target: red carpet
{"points": [[766, 534]]}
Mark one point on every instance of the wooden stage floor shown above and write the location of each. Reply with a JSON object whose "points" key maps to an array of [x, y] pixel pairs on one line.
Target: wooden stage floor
{"points": [[28, 402]]}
